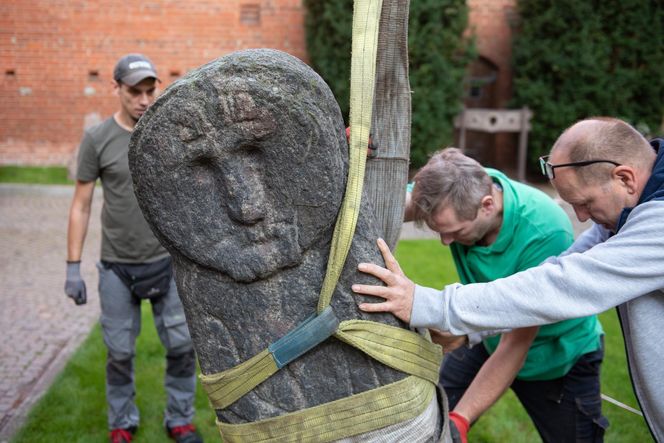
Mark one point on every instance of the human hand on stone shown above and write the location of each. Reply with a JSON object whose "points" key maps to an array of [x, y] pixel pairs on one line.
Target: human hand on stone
{"points": [[399, 291]]}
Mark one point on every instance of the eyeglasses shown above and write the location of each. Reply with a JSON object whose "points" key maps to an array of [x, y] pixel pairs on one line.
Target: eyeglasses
{"points": [[549, 170]]}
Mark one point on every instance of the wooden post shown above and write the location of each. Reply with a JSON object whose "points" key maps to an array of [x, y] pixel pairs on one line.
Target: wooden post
{"points": [[523, 142], [497, 120], [462, 130]]}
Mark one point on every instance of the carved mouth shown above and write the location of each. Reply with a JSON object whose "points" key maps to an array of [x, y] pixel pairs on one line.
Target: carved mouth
{"points": [[258, 253]]}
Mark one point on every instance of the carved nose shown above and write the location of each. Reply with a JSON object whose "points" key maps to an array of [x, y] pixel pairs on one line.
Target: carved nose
{"points": [[246, 211], [246, 199]]}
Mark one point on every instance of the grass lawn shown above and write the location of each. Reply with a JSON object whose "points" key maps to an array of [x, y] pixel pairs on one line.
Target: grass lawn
{"points": [[45, 175], [74, 409]]}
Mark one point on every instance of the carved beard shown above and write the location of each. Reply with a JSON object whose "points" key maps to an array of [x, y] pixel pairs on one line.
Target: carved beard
{"points": [[256, 253]]}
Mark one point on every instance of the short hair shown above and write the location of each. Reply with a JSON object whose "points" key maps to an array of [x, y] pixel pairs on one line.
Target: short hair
{"points": [[452, 178], [607, 138]]}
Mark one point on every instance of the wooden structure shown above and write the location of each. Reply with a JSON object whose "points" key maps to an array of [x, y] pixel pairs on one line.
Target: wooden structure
{"points": [[497, 120]]}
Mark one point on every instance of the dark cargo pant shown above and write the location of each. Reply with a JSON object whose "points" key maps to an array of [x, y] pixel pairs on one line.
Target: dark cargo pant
{"points": [[566, 409], [121, 324]]}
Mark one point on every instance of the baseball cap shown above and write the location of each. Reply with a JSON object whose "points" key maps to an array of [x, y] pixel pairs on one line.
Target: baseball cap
{"points": [[133, 68]]}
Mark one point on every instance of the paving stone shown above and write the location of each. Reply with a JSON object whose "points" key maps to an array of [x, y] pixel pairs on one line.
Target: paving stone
{"points": [[41, 326]]}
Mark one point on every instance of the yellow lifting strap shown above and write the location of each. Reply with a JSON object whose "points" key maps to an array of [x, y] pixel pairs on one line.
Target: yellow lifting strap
{"points": [[354, 415], [366, 17], [398, 348]]}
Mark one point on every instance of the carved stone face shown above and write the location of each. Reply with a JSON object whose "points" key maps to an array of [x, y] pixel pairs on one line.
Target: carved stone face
{"points": [[257, 155]]}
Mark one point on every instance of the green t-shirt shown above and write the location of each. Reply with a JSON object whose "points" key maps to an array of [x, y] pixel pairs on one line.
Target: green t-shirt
{"points": [[126, 236], [534, 228]]}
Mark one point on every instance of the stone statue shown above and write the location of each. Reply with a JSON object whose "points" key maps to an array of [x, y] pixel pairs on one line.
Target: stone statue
{"points": [[240, 169]]}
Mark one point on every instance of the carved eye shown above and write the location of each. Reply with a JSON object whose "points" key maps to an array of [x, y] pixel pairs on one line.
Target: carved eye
{"points": [[201, 170], [189, 133]]}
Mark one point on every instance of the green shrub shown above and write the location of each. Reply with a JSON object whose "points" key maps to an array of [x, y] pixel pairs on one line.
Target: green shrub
{"points": [[577, 59], [438, 56], [328, 26]]}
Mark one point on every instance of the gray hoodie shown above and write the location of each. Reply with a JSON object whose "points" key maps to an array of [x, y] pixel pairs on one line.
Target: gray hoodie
{"points": [[596, 273]]}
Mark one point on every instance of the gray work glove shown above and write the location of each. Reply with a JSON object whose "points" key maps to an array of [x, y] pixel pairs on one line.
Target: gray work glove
{"points": [[75, 286]]}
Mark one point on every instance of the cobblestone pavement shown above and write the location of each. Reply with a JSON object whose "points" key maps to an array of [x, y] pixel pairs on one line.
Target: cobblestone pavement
{"points": [[40, 327]]}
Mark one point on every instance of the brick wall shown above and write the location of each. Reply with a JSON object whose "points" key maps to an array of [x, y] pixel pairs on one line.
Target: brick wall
{"points": [[492, 22], [57, 58]]}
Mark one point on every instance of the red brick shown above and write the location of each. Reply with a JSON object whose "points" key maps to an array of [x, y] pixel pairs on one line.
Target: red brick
{"points": [[52, 48]]}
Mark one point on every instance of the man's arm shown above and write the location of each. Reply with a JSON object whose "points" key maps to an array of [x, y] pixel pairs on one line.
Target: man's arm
{"points": [[79, 218], [590, 237], [448, 341], [620, 269], [497, 373], [624, 267]]}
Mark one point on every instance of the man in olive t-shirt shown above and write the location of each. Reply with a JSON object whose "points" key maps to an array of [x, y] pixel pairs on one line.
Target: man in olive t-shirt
{"points": [[496, 227], [129, 253]]}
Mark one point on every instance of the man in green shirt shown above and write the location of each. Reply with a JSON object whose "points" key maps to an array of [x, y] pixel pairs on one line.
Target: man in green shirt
{"points": [[496, 227]]}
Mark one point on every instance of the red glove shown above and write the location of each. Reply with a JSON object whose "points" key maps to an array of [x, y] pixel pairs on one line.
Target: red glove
{"points": [[459, 426]]}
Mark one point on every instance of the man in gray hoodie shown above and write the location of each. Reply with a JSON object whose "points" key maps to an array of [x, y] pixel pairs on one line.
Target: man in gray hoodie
{"points": [[611, 175]]}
